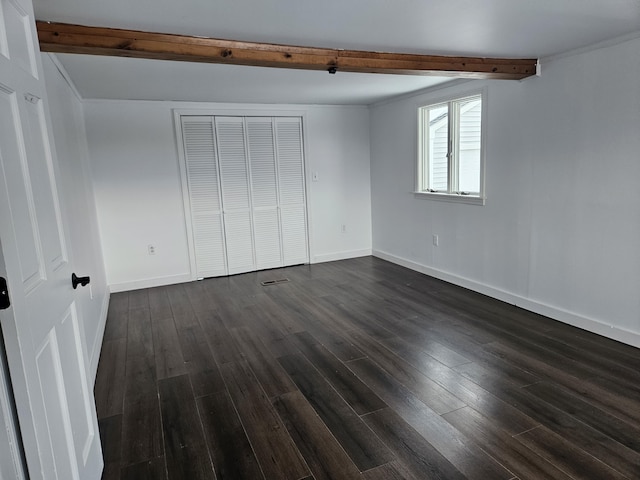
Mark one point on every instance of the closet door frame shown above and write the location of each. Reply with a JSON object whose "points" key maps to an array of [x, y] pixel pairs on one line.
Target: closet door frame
{"points": [[238, 112]]}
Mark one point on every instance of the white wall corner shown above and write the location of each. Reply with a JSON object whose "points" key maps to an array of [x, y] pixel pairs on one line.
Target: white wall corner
{"points": [[591, 325], [63, 72]]}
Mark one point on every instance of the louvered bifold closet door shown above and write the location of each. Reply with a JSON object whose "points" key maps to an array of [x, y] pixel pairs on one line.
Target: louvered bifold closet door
{"points": [[264, 192], [236, 200], [293, 210], [204, 195]]}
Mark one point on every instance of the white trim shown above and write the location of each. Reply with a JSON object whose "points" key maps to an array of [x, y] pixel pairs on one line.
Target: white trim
{"points": [[184, 187], [97, 341], [589, 324], [248, 111], [149, 283], [450, 197], [306, 175], [331, 257], [590, 48], [483, 93]]}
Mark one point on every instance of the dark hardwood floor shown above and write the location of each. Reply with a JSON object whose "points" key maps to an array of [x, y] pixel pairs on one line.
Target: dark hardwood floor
{"points": [[358, 369]]}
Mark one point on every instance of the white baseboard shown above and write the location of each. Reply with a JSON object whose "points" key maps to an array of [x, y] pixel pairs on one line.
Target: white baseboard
{"points": [[332, 257], [595, 326], [94, 355], [149, 283]]}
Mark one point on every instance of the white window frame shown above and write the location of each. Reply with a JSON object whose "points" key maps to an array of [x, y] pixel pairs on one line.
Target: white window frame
{"points": [[421, 190]]}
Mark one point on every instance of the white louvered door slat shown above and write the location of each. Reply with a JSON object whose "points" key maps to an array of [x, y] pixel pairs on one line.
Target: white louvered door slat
{"points": [[263, 162], [204, 195], [294, 234], [267, 231], [236, 199], [293, 217], [233, 163], [264, 192], [239, 242]]}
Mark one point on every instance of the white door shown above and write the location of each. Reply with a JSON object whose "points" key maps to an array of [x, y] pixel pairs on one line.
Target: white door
{"points": [[264, 192], [11, 461], [46, 355], [203, 187], [236, 199], [293, 209], [250, 169]]}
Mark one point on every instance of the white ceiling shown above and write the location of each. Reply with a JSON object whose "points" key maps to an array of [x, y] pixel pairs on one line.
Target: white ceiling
{"points": [[489, 28], [141, 79]]}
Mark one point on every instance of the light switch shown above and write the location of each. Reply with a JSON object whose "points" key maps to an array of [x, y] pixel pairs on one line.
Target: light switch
{"points": [[314, 176]]}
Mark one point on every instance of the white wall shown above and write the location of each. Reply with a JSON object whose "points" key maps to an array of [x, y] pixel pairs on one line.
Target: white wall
{"points": [[78, 207], [338, 150], [560, 231], [138, 191]]}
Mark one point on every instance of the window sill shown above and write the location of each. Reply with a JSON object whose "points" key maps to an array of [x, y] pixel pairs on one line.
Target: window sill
{"points": [[447, 197]]}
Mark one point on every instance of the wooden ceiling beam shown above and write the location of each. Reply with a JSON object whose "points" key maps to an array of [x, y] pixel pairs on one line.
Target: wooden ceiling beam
{"points": [[67, 38]]}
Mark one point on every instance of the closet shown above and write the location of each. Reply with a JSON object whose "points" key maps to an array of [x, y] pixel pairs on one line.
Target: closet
{"points": [[245, 193]]}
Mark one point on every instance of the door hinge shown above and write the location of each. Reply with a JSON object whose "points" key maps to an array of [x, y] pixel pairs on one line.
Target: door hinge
{"points": [[4, 294]]}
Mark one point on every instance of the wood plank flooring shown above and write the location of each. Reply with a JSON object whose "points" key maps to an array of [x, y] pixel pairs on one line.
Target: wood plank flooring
{"points": [[358, 369]]}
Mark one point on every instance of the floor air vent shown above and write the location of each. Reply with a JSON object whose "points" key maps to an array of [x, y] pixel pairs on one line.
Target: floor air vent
{"points": [[274, 282]]}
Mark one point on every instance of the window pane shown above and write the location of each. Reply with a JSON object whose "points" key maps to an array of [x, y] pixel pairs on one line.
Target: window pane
{"points": [[438, 125], [469, 145]]}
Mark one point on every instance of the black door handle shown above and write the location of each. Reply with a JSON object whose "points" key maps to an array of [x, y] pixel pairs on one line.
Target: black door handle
{"points": [[82, 281], [4, 295]]}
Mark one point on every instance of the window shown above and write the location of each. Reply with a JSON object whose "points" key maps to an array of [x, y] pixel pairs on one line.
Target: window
{"points": [[450, 150]]}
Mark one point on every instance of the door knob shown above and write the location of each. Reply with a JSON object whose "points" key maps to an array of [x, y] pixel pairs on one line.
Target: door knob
{"points": [[82, 281], [4, 295]]}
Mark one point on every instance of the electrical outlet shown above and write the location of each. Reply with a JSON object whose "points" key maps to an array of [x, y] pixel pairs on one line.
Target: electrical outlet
{"points": [[436, 241], [151, 249]]}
